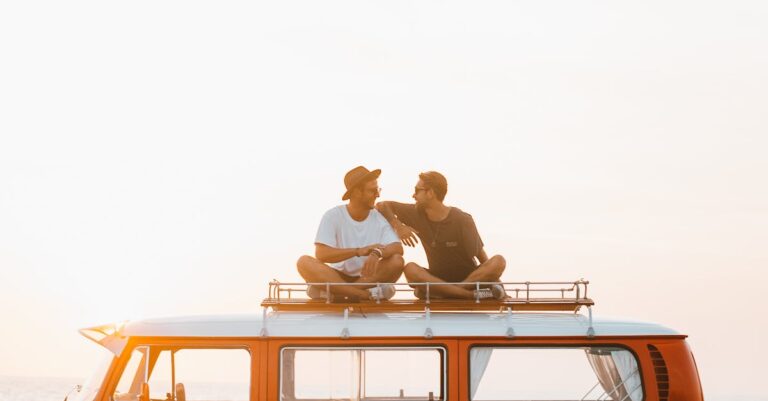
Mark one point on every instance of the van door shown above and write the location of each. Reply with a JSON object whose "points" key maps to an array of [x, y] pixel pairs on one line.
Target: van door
{"points": [[179, 371]]}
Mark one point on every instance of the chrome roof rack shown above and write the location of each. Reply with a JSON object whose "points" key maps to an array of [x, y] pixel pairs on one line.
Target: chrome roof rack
{"points": [[563, 296]]}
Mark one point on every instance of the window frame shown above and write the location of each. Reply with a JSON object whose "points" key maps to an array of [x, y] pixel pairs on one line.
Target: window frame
{"points": [[118, 369], [625, 347], [441, 348]]}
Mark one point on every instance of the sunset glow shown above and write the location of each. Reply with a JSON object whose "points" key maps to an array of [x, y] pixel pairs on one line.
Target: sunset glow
{"points": [[163, 159]]}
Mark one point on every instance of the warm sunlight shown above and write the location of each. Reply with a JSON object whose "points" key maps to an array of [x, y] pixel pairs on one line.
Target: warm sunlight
{"points": [[166, 159]]}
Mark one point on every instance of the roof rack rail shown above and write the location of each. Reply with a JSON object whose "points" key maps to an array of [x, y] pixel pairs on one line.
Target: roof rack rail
{"points": [[543, 296]]}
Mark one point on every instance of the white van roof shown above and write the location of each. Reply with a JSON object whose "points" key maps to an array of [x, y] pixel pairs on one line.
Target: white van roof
{"points": [[402, 324]]}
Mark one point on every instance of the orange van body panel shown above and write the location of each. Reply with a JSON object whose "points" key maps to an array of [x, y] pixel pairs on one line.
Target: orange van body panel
{"points": [[684, 383], [265, 359]]}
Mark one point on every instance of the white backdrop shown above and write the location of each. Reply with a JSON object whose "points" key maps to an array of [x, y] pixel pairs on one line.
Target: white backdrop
{"points": [[164, 158]]}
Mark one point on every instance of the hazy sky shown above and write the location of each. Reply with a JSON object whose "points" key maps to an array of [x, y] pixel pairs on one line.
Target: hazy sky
{"points": [[164, 158]]}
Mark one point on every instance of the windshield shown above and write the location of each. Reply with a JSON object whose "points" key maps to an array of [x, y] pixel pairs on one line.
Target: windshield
{"points": [[90, 387]]}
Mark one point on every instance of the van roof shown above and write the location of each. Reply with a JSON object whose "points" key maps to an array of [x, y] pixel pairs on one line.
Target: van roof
{"points": [[402, 324]]}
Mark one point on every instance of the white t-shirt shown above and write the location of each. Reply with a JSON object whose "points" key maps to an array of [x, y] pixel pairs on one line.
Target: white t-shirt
{"points": [[339, 230]]}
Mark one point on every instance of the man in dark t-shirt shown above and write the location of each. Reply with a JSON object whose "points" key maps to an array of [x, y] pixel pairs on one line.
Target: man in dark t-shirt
{"points": [[450, 239]]}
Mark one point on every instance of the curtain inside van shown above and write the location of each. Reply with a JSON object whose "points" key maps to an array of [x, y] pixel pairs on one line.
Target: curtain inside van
{"points": [[478, 362], [617, 373], [288, 374]]}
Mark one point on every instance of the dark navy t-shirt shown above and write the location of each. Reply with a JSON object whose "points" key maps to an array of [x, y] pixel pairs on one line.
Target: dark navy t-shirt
{"points": [[451, 244]]}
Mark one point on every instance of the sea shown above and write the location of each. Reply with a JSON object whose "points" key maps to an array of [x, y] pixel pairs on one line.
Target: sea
{"points": [[36, 389], [56, 388]]}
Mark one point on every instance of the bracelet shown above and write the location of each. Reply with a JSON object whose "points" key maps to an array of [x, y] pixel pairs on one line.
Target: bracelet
{"points": [[378, 252]]}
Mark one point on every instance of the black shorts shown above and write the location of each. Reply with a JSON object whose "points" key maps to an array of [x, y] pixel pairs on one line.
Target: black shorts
{"points": [[451, 274]]}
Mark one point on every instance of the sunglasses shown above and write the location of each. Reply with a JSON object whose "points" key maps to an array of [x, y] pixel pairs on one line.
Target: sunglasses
{"points": [[417, 189]]}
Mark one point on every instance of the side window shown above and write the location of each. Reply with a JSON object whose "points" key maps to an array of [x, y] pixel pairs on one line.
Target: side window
{"points": [[362, 373], [134, 374], [578, 373], [186, 374], [160, 384], [214, 374]]}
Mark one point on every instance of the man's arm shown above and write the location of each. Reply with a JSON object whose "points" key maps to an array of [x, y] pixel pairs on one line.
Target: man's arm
{"points": [[329, 254], [385, 208], [380, 253], [405, 232]]}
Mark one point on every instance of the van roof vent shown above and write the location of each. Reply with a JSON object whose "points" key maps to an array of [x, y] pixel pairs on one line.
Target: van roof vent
{"points": [[662, 375]]}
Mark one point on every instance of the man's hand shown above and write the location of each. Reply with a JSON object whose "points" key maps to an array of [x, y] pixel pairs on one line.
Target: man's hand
{"points": [[407, 235], [370, 265], [366, 250]]}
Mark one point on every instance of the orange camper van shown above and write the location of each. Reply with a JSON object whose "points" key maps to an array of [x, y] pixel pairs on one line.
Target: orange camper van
{"points": [[541, 342]]}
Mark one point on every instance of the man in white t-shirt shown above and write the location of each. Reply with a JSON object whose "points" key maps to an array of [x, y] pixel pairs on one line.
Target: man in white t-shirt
{"points": [[355, 244]]}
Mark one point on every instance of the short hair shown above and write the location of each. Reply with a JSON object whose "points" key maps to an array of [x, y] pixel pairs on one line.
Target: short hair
{"points": [[436, 182]]}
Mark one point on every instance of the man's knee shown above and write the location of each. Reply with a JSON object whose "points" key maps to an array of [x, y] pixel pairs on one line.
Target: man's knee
{"points": [[412, 271], [499, 263], [397, 261], [390, 269], [304, 264]]}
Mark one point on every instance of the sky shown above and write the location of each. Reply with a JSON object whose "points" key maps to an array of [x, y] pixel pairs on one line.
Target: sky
{"points": [[170, 158]]}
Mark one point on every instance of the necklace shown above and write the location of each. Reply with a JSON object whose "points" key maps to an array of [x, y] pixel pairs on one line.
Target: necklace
{"points": [[434, 228], [434, 233]]}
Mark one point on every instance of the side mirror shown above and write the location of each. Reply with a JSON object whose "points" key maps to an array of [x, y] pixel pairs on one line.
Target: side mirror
{"points": [[77, 389], [181, 395], [144, 396]]}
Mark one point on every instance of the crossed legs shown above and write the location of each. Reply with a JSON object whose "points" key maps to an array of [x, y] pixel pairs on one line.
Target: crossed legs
{"points": [[315, 271], [489, 271]]}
